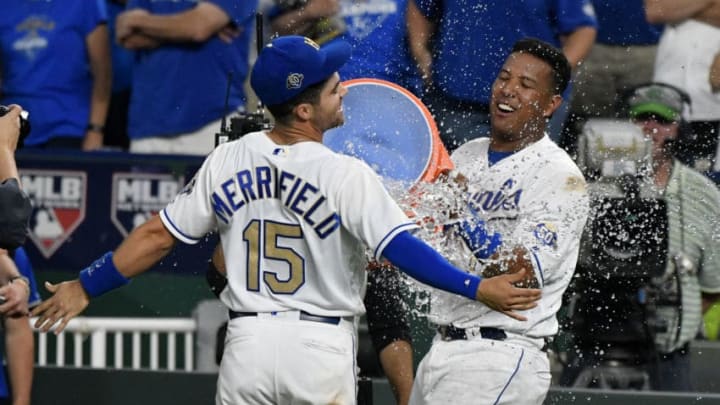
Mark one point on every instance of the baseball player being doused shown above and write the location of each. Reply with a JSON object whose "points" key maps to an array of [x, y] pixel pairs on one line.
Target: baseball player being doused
{"points": [[294, 220], [526, 208]]}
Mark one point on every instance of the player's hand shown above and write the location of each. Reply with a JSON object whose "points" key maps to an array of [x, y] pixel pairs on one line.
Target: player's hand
{"points": [[15, 299], [68, 300], [500, 294], [10, 128]]}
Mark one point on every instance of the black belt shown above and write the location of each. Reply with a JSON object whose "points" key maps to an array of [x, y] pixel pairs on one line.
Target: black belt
{"points": [[450, 332], [304, 316]]}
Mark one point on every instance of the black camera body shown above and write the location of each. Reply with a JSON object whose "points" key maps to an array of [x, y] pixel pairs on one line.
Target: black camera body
{"points": [[24, 125], [240, 125]]}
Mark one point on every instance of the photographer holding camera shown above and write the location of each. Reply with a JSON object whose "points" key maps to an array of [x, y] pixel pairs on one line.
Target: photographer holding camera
{"points": [[14, 288]]}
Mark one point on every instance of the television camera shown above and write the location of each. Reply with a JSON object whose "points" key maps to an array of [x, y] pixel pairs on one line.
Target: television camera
{"points": [[622, 269]]}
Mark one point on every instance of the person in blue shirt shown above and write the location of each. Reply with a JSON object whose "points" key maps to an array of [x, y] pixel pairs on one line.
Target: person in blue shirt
{"points": [[471, 41], [18, 285], [375, 29], [622, 58], [56, 64], [185, 53]]}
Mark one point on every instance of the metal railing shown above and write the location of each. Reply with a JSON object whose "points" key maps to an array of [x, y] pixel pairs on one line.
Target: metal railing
{"points": [[121, 343]]}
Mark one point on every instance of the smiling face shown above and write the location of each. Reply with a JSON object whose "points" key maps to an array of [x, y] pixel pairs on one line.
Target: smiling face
{"points": [[521, 101], [328, 111]]}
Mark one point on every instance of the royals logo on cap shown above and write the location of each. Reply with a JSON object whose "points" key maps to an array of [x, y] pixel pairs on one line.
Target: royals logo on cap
{"points": [[294, 80], [59, 199], [290, 64]]}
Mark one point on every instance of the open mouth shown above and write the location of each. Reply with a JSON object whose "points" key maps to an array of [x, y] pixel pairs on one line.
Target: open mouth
{"points": [[506, 108]]}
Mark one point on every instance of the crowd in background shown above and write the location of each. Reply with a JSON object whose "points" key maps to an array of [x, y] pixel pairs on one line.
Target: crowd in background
{"points": [[152, 76]]}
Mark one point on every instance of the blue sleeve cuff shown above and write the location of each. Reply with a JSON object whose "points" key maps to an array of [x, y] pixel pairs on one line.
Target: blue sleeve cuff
{"points": [[421, 262], [102, 276]]}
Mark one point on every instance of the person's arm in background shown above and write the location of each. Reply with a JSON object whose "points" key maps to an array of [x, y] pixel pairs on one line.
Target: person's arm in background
{"points": [[98, 49], [19, 339], [710, 14], [299, 20], [19, 348], [197, 24], [420, 30], [389, 329], [673, 11], [577, 44]]}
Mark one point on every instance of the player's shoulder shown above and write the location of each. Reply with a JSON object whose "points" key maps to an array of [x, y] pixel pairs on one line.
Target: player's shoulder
{"points": [[556, 157], [471, 150]]}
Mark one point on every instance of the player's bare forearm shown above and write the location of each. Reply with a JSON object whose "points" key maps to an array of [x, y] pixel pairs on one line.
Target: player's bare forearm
{"points": [[397, 363], [218, 259], [144, 247], [501, 294]]}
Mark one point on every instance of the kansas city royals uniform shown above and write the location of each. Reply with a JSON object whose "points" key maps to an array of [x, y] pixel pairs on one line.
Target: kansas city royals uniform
{"points": [[294, 221], [536, 198]]}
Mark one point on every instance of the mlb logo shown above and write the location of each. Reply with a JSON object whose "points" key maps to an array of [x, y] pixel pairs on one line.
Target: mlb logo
{"points": [[59, 199], [138, 196]]}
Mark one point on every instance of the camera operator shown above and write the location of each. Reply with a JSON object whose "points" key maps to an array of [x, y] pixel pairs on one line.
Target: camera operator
{"points": [[692, 278], [688, 282]]}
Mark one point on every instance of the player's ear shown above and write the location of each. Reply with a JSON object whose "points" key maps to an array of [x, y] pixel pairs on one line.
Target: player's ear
{"points": [[552, 105], [304, 111]]}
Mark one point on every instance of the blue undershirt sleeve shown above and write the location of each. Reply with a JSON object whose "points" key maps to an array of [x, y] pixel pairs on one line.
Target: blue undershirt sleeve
{"points": [[421, 262]]}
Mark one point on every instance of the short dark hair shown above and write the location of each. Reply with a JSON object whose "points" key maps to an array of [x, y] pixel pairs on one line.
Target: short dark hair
{"points": [[283, 112], [550, 55]]}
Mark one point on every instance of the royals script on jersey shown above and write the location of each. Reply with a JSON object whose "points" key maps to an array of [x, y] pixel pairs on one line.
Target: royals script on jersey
{"points": [[536, 198], [294, 222]]}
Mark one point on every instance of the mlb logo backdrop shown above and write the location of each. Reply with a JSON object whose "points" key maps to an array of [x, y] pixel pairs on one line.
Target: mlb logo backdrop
{"points": [[85, 204], [138, 196], [59, 199]]}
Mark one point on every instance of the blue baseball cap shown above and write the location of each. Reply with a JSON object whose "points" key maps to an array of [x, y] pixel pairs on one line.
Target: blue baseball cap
{"points": [[290, 64]]}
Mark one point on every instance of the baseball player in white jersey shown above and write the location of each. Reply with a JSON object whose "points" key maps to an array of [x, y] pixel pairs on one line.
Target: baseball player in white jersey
{"points": [[527, 207], [294, 220]]}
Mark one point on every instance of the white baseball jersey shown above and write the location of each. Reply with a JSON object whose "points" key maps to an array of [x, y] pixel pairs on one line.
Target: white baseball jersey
{"points": [[294, 222], [537, 198]]}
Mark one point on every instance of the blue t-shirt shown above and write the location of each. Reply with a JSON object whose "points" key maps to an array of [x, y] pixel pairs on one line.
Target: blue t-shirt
{"points": [[623, 23], [45, 65], [23, 264], [180, 87], [376, 31], [474, 38]]}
